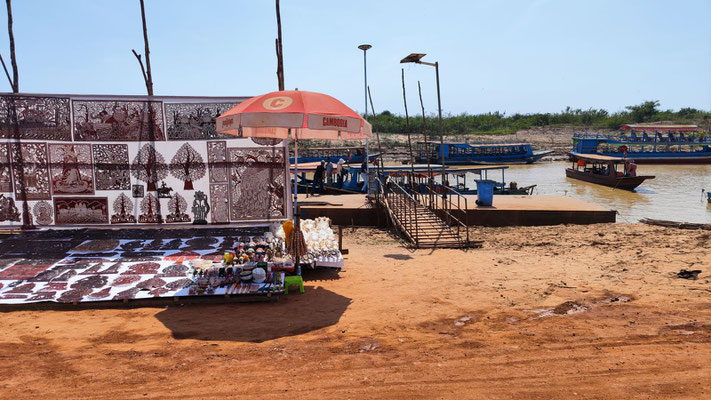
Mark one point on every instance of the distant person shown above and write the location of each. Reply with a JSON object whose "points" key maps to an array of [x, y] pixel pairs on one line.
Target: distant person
{"points": [[318, 178], [340, 173], [329, 171], [631, 168]]}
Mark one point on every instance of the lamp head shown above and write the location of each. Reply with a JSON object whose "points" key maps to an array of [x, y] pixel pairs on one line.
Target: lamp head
{"points": [[412, 58], [364, 47]]}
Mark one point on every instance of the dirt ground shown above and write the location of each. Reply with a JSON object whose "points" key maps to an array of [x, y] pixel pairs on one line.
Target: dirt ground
{"points": [[590, 312]]}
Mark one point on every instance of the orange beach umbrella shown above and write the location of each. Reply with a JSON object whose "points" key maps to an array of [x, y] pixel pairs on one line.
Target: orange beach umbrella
{"points": [[309, 115]]}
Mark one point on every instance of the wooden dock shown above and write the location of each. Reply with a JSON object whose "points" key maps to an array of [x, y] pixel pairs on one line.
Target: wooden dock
{"points": [[507, 210]]}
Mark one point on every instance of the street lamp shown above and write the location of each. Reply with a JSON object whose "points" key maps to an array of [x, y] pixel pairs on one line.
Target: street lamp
{"points": [[365, 48], [417, 59]]}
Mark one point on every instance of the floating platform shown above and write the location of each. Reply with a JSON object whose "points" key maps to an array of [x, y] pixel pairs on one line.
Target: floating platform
{"points": [[507, 210]]}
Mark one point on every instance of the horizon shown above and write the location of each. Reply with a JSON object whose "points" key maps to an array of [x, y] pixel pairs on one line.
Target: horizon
{"points": [[549, 54]]}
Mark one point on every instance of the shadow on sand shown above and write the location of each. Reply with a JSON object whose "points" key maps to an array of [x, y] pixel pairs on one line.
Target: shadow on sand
{"points": [[293, 314]]}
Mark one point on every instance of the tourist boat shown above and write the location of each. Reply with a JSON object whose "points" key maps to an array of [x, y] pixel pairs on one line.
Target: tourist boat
{"points": [[616, 172], [351, 155], [650, 144], [478, 153]]}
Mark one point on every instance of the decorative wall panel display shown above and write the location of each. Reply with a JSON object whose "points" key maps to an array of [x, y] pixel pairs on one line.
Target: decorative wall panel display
{"points": [[33, 157], [38, 118], [71, 169], [257, 183], [150, 210], [187, 165], [130, 121], [149, 166], [217, 161], [5, 169], [176, 209], [123, 210], [81, 210], [137, 191], [220, 203], [8, 209], [111, 167], [194, 121], [43, 212]]}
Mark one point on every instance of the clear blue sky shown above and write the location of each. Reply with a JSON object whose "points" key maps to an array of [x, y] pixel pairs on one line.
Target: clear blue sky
{"points": [[509, 56]]}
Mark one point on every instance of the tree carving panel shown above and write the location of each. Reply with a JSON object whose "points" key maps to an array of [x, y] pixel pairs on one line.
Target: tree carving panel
{"points": [[38, 118], [123, 210], [177, 205], [71, 169], [129, 121], [150, 210], [257, 183], [217, 161], [149, 166], [5, 169], [33, 157], [220, 203], [111, 168], [194, 121], [187, 165], [81, 210]]}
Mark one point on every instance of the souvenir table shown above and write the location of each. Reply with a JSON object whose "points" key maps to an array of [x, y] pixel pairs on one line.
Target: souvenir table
{"points": [[321, 243]]}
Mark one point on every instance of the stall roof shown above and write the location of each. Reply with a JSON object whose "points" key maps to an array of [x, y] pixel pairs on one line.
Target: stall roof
{"points": [[659, 127]]}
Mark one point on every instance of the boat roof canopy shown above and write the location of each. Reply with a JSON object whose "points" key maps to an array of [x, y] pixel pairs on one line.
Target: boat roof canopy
{"points": [[436, 168], [337, 148], [597, 157], [659, 127], [462, 144]]}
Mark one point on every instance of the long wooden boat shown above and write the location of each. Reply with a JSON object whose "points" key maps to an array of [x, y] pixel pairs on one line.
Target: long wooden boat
{"points": [[615, 172], [478, 153]]}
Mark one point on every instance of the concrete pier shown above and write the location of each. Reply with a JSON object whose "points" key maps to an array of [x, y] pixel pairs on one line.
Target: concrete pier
{"points": [[506, 210]]}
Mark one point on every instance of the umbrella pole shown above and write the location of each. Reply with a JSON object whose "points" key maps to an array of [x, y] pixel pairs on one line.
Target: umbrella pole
{"points": [[296, 178]]}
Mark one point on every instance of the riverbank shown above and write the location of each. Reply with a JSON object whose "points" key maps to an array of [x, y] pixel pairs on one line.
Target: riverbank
{"points": [[556, 312]]}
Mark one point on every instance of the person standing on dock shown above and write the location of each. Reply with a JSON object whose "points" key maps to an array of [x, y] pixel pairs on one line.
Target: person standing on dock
{"points": [[329, 171], [318, 178], [340, 173]]}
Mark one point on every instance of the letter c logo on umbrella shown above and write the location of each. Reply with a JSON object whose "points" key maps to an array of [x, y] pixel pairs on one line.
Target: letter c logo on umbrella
{"points": [[277, 103]]}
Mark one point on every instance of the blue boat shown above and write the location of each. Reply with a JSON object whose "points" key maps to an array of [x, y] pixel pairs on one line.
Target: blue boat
{"points": [[649, 144], [351, 155], [478, 153]]}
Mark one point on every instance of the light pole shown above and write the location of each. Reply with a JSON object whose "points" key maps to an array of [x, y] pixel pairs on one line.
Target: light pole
{"points": [[417, 59], [365, 48]]}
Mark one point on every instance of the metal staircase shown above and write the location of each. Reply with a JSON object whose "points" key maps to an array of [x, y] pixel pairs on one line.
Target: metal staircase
{"points": [[426, 220]]}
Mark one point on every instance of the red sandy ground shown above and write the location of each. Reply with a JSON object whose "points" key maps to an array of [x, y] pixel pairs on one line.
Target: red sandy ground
{"points": [[584, 312]]}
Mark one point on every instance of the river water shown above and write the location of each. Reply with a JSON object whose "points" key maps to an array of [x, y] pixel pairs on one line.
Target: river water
{"points": [[675, 194]]}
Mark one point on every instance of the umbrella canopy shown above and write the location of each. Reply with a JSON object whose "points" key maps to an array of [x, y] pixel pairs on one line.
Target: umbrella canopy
{"points": [[309, 115]]}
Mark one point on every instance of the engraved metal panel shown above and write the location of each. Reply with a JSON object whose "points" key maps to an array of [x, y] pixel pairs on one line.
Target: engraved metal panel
{"points": [[111, 167], [104, 120], [71, 169], [38, 118], [33, 157], [194, 121], [257, 183]]}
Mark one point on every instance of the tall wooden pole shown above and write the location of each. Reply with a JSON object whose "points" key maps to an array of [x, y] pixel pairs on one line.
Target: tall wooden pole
{"points": [[279, 49], [13, 59], [407, 128]]}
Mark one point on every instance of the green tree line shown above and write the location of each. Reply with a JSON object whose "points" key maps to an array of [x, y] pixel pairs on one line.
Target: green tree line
{"points": [[500, 123]]}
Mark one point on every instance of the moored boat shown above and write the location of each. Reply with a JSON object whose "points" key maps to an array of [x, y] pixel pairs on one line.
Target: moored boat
{"points": [[478, 153], [615, 172]]}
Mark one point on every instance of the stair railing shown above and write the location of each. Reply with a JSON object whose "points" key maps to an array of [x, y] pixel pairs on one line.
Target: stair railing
{"points": [[445, 203]]}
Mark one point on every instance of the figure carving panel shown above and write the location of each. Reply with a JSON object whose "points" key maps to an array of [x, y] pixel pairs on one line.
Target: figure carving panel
{"points": [[194, 121], [217, 161], [33, 157], [71, 169], [81, 210], [220, 203], [257, 182], [38, 118], [111, 167], [43, 212], [117, 121], [5, 175]]}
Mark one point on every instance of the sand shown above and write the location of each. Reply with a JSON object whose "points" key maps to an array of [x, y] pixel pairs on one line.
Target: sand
{"points": [[538, 313]]}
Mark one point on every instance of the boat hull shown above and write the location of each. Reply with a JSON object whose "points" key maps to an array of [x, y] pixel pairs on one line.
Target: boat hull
{"points": [[621, 182]]}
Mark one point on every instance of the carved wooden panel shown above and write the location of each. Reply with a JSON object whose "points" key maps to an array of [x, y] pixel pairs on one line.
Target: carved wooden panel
{"points": [[129, 121], [194, 121], [71, 169], [220, 203], [257, 183], [38, 118], [81, 210], [123, 210], [217, 161], [43, 213], [111, 167], [5, 169], [33, 157]]}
